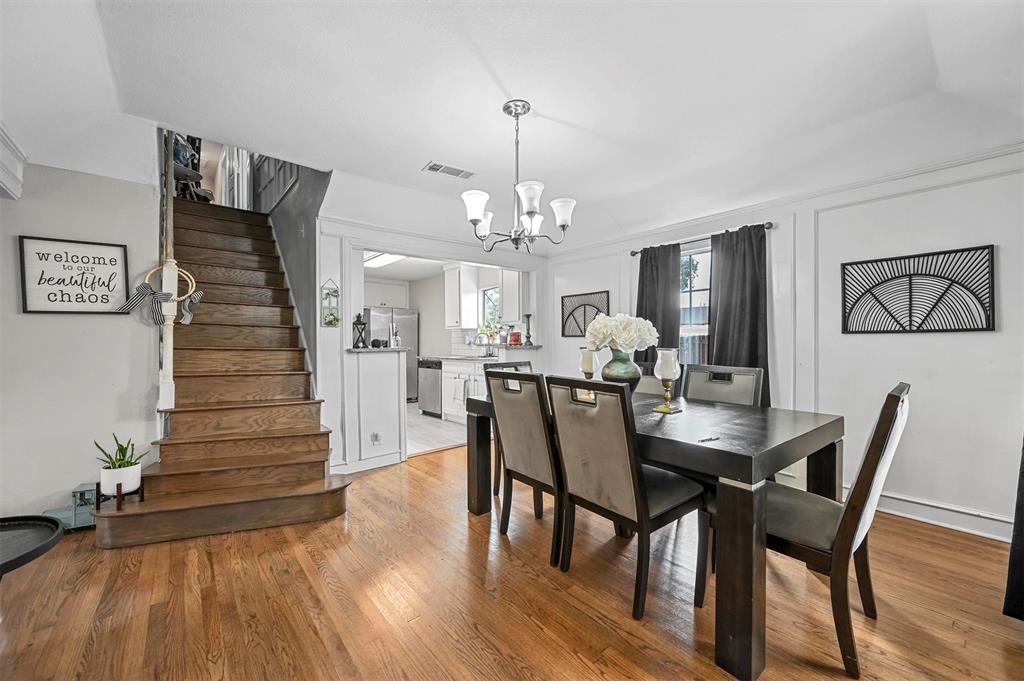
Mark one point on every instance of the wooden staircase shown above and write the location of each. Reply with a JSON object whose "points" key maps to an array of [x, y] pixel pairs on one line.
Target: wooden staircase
{"points": [[245, 447]]}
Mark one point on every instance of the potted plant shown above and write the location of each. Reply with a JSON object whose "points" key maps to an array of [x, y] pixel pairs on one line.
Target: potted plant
{"points": [[491, 329], [123, 466], [623, 335]]}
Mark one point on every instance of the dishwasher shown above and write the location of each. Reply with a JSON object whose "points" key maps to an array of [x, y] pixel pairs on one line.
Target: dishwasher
{"points": [[429, 374]]}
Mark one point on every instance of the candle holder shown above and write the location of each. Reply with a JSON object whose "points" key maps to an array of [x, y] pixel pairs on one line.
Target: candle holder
{"points": [[667, 369]]}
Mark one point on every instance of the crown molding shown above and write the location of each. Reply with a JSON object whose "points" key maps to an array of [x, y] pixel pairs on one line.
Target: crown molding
{"points": [[12, 165]]}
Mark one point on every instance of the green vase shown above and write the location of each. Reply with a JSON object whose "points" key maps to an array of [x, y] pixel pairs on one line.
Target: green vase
{"points": [[622, 369]]}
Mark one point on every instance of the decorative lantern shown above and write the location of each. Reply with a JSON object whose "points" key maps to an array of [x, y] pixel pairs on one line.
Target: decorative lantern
{"points": [[359, 332]]}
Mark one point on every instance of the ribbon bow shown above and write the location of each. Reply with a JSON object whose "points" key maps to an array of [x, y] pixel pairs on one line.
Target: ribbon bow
{"points": [[187, 304], [145, 292]]}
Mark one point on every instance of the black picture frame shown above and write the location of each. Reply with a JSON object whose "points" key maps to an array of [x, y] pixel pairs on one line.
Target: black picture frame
{"points": [[123, 270], [599, 300], [969, 272]]}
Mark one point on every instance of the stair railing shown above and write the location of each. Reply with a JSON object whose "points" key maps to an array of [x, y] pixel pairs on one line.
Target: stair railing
{"points": [[169, 277]]}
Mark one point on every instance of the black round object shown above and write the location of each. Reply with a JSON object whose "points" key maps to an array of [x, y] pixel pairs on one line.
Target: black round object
{"points": [[23, 538], [375, 343]]}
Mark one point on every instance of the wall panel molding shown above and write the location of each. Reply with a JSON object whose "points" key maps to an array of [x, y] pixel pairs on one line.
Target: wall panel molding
{"points": [[12, 166]]}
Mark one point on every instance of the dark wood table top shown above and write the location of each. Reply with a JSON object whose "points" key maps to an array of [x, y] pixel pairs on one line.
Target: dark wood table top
{"points": [[752, 442]]}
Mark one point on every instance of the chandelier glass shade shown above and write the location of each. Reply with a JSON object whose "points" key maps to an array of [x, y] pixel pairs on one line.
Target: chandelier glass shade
{"points": [[527, 219]]}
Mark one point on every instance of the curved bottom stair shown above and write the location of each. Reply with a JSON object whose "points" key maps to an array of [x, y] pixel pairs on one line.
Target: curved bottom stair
{"points": [[245, 448]]}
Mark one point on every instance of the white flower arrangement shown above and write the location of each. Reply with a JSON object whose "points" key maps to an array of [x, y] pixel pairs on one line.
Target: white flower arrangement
{"points": [[621, 332]]}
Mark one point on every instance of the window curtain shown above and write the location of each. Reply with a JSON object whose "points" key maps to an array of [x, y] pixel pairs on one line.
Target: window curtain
{"points": [[657, 300], [738, 328], [1014, 603]]}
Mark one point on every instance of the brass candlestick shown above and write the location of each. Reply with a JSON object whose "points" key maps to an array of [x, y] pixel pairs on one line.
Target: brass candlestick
{"points": [[667, 407]]}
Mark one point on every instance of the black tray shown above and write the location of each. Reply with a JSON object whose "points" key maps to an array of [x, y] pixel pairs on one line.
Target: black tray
{"points": [[23, 538]]}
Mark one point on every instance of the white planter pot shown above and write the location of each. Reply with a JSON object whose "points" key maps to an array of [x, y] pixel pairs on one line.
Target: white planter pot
{"points": [[130, 479]]}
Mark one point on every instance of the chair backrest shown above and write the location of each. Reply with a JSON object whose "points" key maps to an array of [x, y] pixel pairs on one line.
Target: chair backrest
{"points": [[862, 502], [523, 365], [731, 385], [522, 414], [594, 428]]}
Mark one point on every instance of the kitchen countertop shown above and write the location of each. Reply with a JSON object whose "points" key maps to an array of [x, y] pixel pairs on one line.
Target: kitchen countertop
{"points": [[471, 358], [361, 350]]}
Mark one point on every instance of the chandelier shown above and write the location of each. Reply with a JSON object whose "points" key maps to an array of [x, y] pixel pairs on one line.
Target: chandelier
{"points": [[526, 218]]}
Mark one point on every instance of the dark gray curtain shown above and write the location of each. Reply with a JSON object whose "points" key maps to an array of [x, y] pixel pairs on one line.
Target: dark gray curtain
{"points": [[657, 300], [1014, 603], [738, 329]]}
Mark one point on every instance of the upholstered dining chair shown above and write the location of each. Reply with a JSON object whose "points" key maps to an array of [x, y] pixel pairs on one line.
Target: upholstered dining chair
{"points": [[521, 411], [524, 365], [825, 534], [595, 431], [731, 385]]}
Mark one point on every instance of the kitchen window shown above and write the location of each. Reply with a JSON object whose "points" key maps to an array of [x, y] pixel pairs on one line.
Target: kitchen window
{"points": [[695, 303], [490, 305]]}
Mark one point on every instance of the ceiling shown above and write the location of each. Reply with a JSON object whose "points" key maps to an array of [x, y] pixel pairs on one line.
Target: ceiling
{"points": [[647, 113], [407, 269]]}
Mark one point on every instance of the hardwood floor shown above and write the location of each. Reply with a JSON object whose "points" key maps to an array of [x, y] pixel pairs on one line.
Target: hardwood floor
{"points": [[408, 585]]}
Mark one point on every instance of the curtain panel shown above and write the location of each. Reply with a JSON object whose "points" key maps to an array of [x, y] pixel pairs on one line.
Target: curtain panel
{"points": [[657, 300], [1014, 603]]}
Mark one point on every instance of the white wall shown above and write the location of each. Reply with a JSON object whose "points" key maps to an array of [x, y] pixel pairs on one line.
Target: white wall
{"points": [[67, 379], [960, 453], [427, 296]]}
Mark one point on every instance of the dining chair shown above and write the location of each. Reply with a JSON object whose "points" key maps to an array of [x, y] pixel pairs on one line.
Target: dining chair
{"points": [[595, 432], [521, 412], [524, 365], [731, 385], [825, 534]]}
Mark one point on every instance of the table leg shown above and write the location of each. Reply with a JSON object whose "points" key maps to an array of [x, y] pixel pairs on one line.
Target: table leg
{"points": [[740, 595], [478, 463], [825, 471]]}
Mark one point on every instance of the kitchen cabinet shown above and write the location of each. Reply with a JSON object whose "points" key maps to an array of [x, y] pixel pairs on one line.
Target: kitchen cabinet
{"points": [[512, 286], [461, 310], [460, 380], [382, 293]]}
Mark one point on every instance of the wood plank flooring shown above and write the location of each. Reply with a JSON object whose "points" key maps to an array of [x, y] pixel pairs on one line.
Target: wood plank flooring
{"points": [[407, 585]]}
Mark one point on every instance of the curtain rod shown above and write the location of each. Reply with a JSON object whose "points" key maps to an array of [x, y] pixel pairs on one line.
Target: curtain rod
{"points": [[767, 225]]}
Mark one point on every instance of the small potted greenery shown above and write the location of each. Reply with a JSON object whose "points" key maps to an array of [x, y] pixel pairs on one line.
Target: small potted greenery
{"points": [[123, 466], [490, 329]]}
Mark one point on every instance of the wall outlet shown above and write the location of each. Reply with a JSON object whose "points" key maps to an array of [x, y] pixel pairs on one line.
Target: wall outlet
{"points": [[374, 438]]}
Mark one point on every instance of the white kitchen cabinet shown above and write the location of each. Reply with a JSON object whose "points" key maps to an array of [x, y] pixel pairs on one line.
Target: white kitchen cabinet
{"points": [[461, 380], [512, 285], [461, 310], [383, 293]]}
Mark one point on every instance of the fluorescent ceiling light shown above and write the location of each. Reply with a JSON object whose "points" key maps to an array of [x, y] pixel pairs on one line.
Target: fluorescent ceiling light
{"points": [[381, 259]]}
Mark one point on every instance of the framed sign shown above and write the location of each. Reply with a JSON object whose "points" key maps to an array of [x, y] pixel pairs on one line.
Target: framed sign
{"points": [[58, 275]]}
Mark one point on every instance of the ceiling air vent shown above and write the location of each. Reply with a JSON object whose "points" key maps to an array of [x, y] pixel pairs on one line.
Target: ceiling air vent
{"points": [[452, 171]]}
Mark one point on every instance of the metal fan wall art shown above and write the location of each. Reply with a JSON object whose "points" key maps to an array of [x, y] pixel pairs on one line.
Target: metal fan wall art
{"points": [[940, 291], [579, 310]]}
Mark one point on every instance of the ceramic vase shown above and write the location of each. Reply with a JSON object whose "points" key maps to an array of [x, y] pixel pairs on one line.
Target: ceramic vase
{"points": [[622, 369]]}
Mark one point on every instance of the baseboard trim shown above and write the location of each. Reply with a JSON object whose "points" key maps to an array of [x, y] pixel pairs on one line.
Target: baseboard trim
{"points": [[951, 516]]}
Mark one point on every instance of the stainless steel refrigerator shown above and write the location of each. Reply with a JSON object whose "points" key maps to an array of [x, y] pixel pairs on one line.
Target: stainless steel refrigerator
{"points": [[407, 323]]}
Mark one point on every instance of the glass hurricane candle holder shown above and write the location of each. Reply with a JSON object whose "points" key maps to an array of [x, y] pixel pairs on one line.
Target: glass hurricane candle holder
{"points": [[587, 362], [667, 370]]}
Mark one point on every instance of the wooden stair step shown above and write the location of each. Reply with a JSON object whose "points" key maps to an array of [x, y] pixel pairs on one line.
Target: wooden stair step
{"points": [[225, 274], [210, 210], [184, 236], [246, 416], [280, 446], [234, 358], [251, 314], [224, 463], [219, 256], [194, 514], [220, 292], [172, 478], [250, 335], [214, 388], [220, 226]]}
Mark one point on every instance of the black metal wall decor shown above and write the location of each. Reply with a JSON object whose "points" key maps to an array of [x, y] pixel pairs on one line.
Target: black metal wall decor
{"points": [[579, 309], [940, 291]]}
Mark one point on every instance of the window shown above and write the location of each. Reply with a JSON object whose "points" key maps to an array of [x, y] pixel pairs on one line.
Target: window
{"points": [[490, 306], [695, 302]]}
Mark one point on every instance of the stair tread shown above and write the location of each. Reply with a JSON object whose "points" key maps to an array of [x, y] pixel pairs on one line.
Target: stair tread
{"points": [[229, 213], [213, 231], [236, 348], [221, 497], [231, 302], [258, 435], [277, 326], [212, 406], [232, 283], [227, 267], [226, 463], [244, 372], [229, 250]]}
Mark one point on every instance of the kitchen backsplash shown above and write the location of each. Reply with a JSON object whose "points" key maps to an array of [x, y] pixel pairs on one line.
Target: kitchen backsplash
{"points": [[460, 348]]}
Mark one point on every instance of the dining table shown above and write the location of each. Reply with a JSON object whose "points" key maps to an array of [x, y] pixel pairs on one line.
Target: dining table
{"points": [[742, 448]]}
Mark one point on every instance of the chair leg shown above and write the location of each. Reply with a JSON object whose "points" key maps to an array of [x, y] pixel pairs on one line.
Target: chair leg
{"points": [[867, 592], [714, 550], [570, 528], [623, 531], [643, 564], [538, 503], [556, 531], [839, 585], [498, 457], [506, 503], [700, 584]]}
